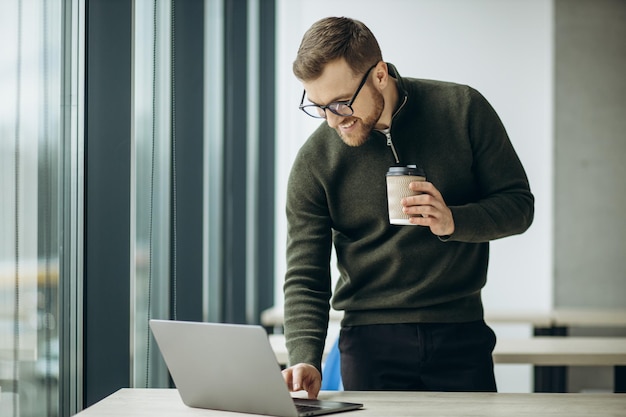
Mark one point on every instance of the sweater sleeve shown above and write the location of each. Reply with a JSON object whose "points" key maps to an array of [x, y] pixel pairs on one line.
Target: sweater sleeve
{"points": [[307, 286], [506, 205]]}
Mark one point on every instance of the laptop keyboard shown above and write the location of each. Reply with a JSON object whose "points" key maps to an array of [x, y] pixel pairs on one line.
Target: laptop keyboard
{"points": [[304, 405], [306, 408]]}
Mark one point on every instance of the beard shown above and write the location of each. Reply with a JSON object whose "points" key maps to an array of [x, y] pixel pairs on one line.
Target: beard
{"points": [[366, 124]]}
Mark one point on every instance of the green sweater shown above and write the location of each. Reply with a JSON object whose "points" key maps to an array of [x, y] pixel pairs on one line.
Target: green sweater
{"points": [[399, 274]]}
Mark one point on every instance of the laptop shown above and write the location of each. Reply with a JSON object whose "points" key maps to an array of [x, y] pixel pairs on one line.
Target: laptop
{"points": [[231, 367]]}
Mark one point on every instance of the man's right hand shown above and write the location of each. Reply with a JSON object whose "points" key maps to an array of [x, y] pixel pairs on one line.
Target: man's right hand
{"points": [[303, 376]]}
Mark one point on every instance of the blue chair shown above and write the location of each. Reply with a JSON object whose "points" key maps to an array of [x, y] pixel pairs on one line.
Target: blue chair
{"points": [[331, 370]]}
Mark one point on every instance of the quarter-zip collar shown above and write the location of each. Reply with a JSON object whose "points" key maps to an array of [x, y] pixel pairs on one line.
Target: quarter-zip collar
{"points": [[402, 99], [387, 133]]}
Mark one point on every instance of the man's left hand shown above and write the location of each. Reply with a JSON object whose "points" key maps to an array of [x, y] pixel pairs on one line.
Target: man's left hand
{"points": [[428, 209]]}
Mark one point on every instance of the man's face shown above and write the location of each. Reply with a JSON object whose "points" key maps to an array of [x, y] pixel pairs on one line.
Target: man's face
{"points": [[338, 83]]}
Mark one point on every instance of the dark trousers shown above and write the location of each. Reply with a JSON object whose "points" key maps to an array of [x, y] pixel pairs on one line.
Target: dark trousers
{"points": [[418, 357]]}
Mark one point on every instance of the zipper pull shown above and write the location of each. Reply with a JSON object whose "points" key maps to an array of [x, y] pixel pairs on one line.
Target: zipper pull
{"points": [[387, 133]]}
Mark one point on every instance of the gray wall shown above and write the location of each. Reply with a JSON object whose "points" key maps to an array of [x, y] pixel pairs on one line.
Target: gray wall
{"points": [[590, 148], [590, 145]]}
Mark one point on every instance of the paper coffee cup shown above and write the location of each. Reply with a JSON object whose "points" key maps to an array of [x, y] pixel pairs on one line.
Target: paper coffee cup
{"points": [[398, 180]]}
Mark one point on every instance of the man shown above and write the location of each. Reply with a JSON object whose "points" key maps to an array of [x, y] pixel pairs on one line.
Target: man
{"points": [[411, 295]]}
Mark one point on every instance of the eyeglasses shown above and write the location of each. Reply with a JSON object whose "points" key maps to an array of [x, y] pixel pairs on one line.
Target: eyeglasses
{"points": [[340, 108]]}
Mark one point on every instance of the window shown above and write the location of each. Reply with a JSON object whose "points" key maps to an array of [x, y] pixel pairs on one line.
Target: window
{"points": [[38, 183]]}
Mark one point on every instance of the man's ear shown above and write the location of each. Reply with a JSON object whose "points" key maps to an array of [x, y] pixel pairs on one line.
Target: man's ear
{"points": [[381, 74]]}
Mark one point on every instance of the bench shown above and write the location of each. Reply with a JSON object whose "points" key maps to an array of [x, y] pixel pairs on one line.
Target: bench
{"points": [[548, 351]]}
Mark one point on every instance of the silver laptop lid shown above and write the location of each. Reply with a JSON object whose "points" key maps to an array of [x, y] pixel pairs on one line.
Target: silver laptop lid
{"points": [[224, 367]]}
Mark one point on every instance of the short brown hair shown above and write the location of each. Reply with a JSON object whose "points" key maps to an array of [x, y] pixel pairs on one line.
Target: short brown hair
{"points": [[333, 38]]}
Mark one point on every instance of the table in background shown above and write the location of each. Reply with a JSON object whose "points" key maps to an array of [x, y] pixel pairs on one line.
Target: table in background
{"points": [[541, 351], [562, 320], [556, 322], [166, 402], [553, 321]]}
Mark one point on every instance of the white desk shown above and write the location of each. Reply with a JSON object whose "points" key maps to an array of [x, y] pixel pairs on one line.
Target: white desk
{"points": [[562, 351], [167, 403], [280, 348], [560, 317], [275, 316], [554, 322], [545, 351], [551, 355], [592, 317]]}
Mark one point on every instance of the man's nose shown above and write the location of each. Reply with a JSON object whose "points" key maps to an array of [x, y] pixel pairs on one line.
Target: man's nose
{"points": [[332, 119]]}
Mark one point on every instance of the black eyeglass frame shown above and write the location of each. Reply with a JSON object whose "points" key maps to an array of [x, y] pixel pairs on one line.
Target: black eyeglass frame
{"points": [[335, 104]]}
